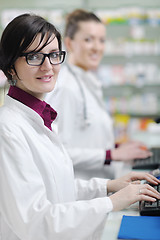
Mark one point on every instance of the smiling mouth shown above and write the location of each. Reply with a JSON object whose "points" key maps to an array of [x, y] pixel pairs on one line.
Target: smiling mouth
{"points": [[95, 56], [45, 78]]}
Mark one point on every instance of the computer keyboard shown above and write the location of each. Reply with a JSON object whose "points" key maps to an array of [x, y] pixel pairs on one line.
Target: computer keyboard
{"points": [[150, 162], [150, 208]]}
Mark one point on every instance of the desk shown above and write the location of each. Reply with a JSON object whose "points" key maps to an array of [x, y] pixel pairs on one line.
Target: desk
{"points": [[113, 222]]}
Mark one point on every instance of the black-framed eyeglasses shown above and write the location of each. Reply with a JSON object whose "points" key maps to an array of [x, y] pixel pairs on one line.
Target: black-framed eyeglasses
{"points": [[37, 58]]}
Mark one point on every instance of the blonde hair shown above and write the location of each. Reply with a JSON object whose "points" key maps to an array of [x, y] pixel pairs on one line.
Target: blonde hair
{"points": [[74, 18]]}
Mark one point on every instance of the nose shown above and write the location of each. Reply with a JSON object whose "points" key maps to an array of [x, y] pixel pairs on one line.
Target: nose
{"points": [[46, 65]]}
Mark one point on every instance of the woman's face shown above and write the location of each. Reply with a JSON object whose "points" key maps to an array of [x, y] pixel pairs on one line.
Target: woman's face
{"points": [[87, 47], [37, 80]]}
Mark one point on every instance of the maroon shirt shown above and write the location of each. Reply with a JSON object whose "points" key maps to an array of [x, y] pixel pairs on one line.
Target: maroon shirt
{"points": [[108, 155], [47, 113]]}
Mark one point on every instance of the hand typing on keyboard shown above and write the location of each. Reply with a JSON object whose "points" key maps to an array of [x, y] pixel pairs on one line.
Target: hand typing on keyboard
{"points": [[151, 162], [129, 151], [128, 190]]}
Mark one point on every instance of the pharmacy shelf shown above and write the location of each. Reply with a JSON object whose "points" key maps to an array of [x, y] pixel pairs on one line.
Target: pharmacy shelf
{"points": [[139, 115], [136, 101], [129, 90], [114, 4], [114, 59]]}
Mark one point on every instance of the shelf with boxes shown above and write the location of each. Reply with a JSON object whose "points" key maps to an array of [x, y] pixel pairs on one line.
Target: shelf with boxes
{"points": [[131, 91], [130, 71]]}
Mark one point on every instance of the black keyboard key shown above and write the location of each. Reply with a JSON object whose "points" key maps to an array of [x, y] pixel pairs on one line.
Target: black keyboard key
{"points": [[147, 208]]}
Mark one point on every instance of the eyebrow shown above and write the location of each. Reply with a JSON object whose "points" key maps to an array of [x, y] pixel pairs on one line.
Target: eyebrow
{"points": [[53, 50]]}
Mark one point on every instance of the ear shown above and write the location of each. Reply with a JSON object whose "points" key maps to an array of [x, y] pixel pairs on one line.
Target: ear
{"points": [[11, 71], [68, 43]]}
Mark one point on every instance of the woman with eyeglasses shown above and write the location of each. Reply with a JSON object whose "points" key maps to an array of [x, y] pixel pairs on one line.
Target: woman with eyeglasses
{"points": [[39, 197], [84, 126]]}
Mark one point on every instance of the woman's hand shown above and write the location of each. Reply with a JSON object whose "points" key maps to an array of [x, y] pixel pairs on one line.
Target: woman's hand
{"points": [[129, 151], [133, 193], [132, 177]]}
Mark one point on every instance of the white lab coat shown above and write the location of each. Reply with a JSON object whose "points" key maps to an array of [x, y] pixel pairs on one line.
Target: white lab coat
{"points": [[86, 138], [39, 198]]}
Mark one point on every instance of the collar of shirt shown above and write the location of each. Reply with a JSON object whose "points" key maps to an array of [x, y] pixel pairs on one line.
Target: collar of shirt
{"points": [[47, 113]]}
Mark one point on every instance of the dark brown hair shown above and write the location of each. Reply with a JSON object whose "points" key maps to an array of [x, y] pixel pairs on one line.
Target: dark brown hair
{"points": [[19, 35]]}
